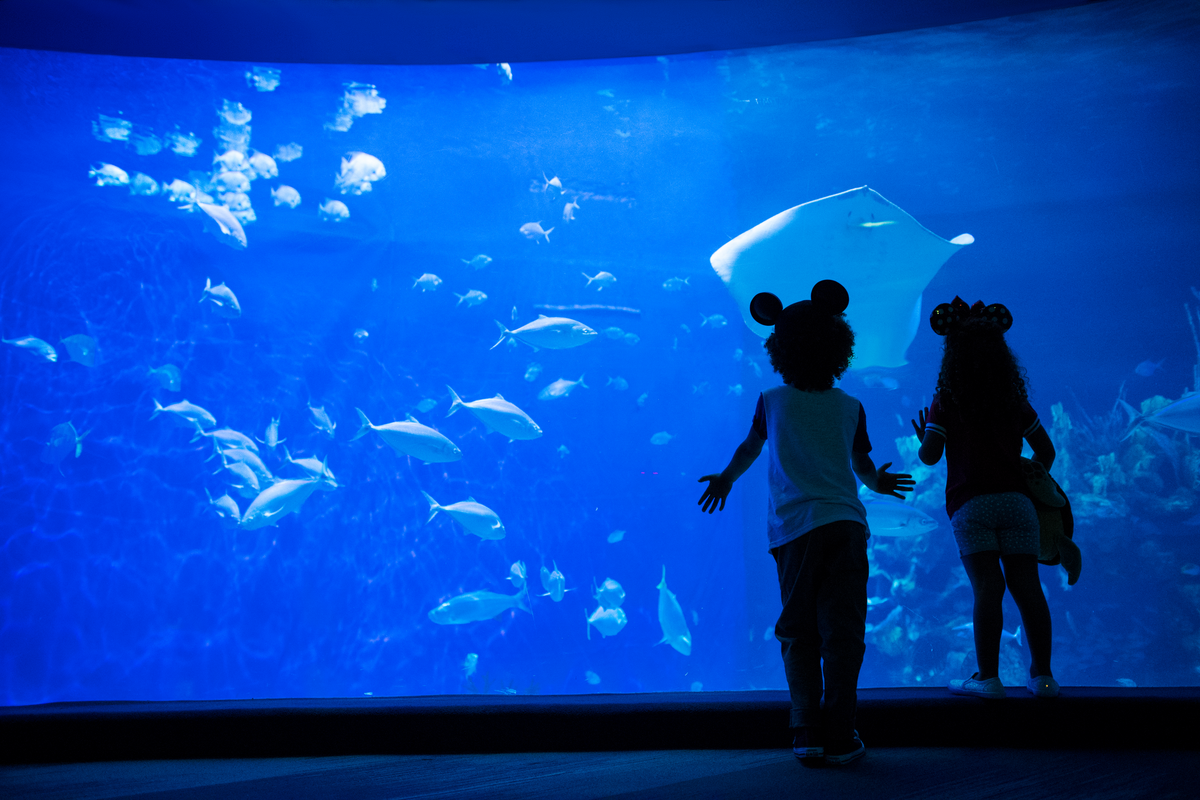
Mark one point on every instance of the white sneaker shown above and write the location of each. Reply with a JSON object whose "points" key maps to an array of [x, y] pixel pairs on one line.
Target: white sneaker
{"points": [[991, 689], [1043, 686]]}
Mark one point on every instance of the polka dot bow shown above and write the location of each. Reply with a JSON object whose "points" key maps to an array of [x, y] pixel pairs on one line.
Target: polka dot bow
{"points": [[948, 316]]}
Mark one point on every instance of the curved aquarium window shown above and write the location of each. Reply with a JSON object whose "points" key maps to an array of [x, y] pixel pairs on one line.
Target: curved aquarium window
{"points": [[365, 380]]}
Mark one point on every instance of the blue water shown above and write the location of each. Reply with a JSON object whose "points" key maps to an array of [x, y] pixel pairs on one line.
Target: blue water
{"points": [[1064, 142]]}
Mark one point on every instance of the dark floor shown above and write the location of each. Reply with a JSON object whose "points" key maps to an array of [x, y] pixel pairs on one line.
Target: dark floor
{"points": [[891, 772]]}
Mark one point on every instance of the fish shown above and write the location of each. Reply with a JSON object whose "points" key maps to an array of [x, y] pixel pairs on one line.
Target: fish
{"points": [[1128, 683], [143, 185], [886, 518], [614, 333], [676, 284], [533, 371], [374, 284], [428, 282], [413, 439], [517, 574], [700, 388], [560, 388], [755, 368], [662, 437], [683, 327], [885, 269], [242, 455], [223, 300], [1190, 569], [81, 348], [641, 401], [498, 415], [470, 664], [554, 583], [1181, 415], [285, 195], [716, 321], [185, 414], [631, 339], [608, 621], [262, 166], [235, 202], [35, 347], [605, 93], [230, 181], [1148, 368], [225, 507], [182, 144], [555, 182], [475, 517], [601, 279], [505, 71], [478, 606], [231, 161], [616, 536], [532, 230], [735, 390], [272, 439], [569, 211], [333, 210], [314, 469], [234, 113], [112, 129], [622, 134], [478, 262], [551, 333], [737, 354], [109, 175], [243, 479], [426, 405], [562, 451], [169, 376], [609, 594], [359, 170], [288, 152], [277, 501], [227, 438], [591, 677], [64, 441], [881, 382], [224, 225], [263, 79], [361, 334], [618, 383], [321, 421], [671, 619], [472, 298], [144, 142], [968, 630]]}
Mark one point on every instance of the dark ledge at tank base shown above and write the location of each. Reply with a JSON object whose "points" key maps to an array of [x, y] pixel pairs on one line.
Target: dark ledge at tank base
{"points": [[1082, 717]]}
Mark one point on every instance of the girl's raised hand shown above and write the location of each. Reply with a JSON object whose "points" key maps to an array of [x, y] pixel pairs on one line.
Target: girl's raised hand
{"points": [[920, 429]]}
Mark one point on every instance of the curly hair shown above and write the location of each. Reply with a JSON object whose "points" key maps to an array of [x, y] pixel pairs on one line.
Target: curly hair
{"points": [[981, 377], [815, 354]]}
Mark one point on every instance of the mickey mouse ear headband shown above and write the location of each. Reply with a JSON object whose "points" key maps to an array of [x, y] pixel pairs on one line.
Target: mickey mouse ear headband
{"points": [[949, 316], [829, 298]]}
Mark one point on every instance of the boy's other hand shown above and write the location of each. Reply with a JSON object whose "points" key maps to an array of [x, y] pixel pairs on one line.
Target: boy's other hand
{"points": [[920, 429], [892, 483], [718, 489]]}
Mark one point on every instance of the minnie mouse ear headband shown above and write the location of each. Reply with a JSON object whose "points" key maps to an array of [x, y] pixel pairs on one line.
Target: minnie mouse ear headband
{"points": [[829, 298], [948, 316]]}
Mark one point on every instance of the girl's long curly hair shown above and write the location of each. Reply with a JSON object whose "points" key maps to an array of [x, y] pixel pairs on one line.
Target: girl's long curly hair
{"points": [[814, 354], [981, 377]]}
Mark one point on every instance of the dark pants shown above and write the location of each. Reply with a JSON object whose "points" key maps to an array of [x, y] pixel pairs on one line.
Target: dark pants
{"points": [[823, 583]]}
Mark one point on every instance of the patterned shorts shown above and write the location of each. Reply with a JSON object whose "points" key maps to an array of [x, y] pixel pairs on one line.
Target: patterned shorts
{"points": [[1005, 522]]}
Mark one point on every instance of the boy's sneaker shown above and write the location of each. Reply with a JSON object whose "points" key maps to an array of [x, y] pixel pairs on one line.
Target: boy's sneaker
{"points": [[991, 689], [851, 749], [1043, 686], [807, 748]]}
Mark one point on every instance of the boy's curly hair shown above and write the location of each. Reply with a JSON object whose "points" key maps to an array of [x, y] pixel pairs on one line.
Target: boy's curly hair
{"points": [[981, 377], [815, 355]]}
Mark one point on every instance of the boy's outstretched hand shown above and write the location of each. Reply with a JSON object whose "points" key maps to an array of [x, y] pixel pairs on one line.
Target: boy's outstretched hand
{"points": [[893, 483], [718, 489]]}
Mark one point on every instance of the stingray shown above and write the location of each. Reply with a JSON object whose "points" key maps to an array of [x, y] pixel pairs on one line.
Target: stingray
{"points": [[883, 257]]}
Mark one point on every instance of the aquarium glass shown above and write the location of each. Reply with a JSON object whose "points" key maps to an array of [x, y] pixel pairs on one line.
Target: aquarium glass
{"points": [[296, 250]]}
